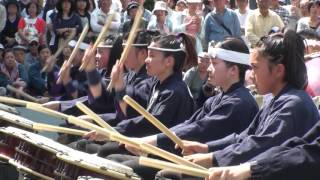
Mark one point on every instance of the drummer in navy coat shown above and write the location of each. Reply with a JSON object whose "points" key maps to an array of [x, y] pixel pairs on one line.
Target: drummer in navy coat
{"points": [[297, 158], [278, 68], [219, 116]]}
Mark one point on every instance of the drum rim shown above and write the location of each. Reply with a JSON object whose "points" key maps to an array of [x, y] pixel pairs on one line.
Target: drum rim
{"points": [[102, 170]]}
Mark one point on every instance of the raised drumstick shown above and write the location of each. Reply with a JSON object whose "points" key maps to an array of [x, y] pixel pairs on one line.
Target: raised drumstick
{"points": [[74, 52], [132, 35], [101, 36]]}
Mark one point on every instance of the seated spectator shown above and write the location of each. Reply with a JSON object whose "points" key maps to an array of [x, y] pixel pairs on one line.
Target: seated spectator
{"points": [[132, 11], [20, 55], [12, 72], [32, 55], [65, 22], [100, 16], [221, 23], [181, 6], [242, 13], [161, 22], [11, 27], [82, 9], [294, 14], [281, 11], [40, 11], [312, 21], [44, 83], [260, 22], [197, 76], [31, 27], [191, 22]]}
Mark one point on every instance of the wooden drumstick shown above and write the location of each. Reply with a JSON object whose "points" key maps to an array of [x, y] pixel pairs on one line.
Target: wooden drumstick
{"points": [[109, 134], [85, 124], [74, 52], [169, 156], [132, 35], [58, 52], [51, 128], [9, 100], [100, 38], [153, 120], [131, 142], [155, 163], [94, 116], [22, 93], [39, 108]]}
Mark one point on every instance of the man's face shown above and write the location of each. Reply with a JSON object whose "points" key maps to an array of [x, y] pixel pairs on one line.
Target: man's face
{"points": [[263, 4]]}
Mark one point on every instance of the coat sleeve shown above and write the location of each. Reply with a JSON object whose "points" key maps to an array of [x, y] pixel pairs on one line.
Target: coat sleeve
{"points": [[280, 125], [297, 158], [164, 111]]}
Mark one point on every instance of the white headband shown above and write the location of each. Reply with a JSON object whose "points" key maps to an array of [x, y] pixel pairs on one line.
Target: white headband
{"points": [[231, 56], [182, 48], [124, 44]]}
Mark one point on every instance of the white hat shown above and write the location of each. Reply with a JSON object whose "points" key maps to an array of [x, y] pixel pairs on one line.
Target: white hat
{"points": [[160, 5], [83, 46], [228, 55], [1, 46], [194, 1], [33, 39]]}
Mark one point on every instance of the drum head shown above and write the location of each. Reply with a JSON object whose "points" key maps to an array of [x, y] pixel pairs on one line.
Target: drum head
{"points": [[97, 165]]}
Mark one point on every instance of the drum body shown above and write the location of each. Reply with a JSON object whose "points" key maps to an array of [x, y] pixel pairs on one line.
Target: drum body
{"points": [[79, 165], [36, 154], [8, 142]]}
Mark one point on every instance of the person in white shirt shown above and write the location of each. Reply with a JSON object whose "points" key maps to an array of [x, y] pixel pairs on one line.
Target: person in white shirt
{"points": [[100, 15], [242, 13]]}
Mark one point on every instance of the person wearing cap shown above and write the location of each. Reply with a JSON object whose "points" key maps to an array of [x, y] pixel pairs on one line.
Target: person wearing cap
{"points": [[147, 15], [20, 55], [278, 68], [181, 6], [161, 22], [11, 72], [260, 22], [197, 76], [281, 11], [100, 15], [33, 55], [132, 11], [221, 23], [219, 112]]}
